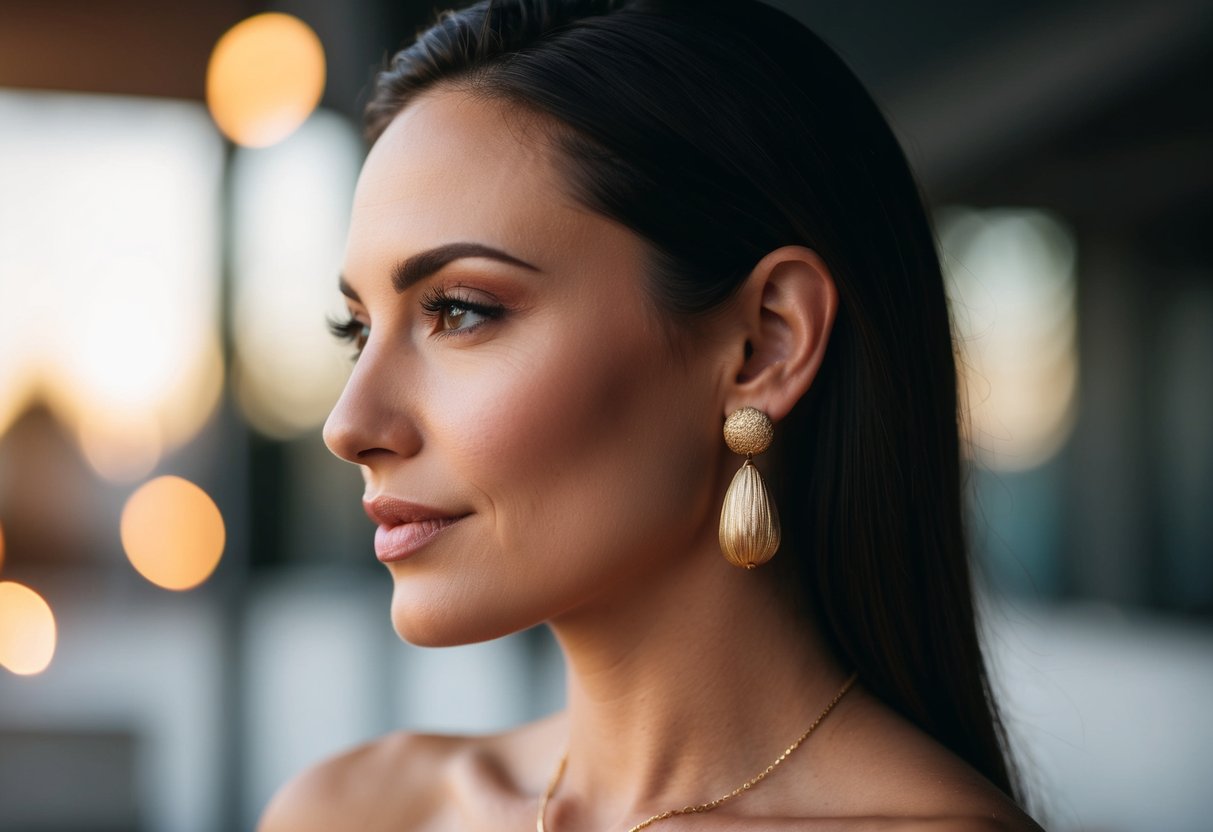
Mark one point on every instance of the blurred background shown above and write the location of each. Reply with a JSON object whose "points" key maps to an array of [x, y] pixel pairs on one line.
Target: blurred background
{"points": [[190, 609]]}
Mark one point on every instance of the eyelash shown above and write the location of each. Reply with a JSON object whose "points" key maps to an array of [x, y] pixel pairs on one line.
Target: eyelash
{"points": [[434, 302], [348, 329]]}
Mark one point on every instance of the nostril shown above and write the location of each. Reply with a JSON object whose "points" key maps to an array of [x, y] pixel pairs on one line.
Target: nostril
{"points": [[369, 453]]}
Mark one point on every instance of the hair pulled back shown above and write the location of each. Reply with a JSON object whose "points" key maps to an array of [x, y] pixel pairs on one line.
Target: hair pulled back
{"points": [[719, 130]]}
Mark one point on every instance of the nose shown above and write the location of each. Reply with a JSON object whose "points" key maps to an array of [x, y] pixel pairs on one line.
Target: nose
{"points": [[371, 421]]}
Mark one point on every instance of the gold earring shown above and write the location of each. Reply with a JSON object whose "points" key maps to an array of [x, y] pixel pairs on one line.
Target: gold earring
{"points": [[749, 522]]}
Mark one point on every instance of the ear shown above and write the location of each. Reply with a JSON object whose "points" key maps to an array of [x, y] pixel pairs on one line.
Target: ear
{"points": [[783, 316]]}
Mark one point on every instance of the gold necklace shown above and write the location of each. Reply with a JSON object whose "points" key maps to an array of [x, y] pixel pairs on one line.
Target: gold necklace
{"points": [[702, 807]]}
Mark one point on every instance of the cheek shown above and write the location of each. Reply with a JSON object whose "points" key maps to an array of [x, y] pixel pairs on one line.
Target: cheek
{"points": [[590, 449]]}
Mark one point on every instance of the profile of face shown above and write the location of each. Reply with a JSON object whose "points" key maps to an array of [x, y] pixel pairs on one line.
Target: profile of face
{"points": [[540, 399]]}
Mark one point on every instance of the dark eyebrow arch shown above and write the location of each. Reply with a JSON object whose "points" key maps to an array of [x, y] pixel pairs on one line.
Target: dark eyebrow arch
{"points": [[422, 265]]}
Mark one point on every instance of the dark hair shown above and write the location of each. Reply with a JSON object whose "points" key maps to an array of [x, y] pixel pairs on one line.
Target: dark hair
{"points": [[719, 130]]}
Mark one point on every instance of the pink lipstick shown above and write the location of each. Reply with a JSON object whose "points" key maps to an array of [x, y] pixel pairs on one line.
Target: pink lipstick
{"points": [[405, 527]]}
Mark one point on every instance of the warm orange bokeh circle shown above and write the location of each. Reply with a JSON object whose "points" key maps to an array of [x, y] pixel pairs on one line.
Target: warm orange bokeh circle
{"points": [[27, 630], [172, 532], [266, 76]]}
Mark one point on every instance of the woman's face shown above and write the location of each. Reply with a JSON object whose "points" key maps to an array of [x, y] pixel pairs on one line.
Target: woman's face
{"points": [[545, 406]]}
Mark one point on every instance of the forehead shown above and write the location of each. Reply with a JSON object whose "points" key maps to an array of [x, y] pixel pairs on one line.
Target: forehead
{"points": [[452, 166]]}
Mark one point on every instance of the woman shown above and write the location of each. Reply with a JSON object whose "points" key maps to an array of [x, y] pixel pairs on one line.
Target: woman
{"points": [[587, 233]]}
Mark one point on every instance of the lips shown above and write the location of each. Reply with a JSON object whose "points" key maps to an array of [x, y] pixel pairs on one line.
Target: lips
{"points": [[405, 527]]}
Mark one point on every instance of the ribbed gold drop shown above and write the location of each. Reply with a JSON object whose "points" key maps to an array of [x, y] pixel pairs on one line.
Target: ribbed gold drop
{"points": [[749, 521]]}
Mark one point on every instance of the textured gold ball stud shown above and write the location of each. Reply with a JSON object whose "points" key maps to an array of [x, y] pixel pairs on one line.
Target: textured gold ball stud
{"points": [[748, 431], [749, 521]]}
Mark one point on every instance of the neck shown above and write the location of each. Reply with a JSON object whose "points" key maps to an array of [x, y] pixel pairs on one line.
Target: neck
{"points": [[677, 698]]}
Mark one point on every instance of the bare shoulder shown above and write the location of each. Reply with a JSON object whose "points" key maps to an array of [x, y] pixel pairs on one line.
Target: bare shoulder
{"points": [[358, 789], [889, 775], [958, 823], [413, 781]]}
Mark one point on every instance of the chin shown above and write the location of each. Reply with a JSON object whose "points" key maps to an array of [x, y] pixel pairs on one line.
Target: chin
{"points": [[432, 622]]}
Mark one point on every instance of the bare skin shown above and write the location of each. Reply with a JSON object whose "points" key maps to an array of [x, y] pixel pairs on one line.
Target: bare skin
{"points": [[578, 434]]}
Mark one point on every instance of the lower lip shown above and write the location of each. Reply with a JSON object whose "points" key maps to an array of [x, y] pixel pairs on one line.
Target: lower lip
{"points": [[399, 542]]}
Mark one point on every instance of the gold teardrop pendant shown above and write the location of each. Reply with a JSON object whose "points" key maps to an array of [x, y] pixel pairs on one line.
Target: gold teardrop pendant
{"points": [[749, 521]]}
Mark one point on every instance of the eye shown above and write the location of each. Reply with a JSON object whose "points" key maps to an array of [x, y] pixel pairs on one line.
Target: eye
{"points": [[455, 315], [351, 330]]}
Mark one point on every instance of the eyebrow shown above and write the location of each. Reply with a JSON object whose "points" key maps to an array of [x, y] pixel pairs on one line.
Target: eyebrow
{"points": [[422, 265]]}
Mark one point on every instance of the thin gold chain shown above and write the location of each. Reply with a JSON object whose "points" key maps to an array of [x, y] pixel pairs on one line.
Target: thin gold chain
{"points": [[702, 807]]}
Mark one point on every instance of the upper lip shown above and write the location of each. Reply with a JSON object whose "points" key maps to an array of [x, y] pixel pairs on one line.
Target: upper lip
{"points": [[390, 511]]}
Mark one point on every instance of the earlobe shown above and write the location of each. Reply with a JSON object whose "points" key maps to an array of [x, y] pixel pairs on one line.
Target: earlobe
{"points": [[787, 309]]}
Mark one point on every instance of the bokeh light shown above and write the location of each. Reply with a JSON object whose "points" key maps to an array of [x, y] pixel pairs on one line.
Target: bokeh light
{"points": [[291, 205], [1011, 284], [16, 381], [27, 630], [109, 264], [265, 77], [172, 532]]}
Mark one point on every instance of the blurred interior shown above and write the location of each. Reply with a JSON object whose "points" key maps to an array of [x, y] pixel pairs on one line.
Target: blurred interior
{"points": [[168, 252]]}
